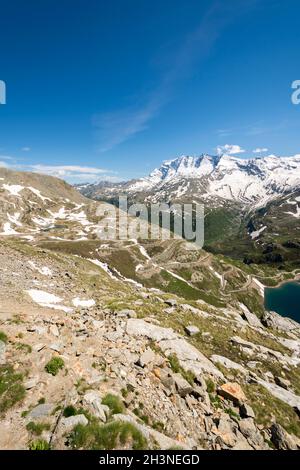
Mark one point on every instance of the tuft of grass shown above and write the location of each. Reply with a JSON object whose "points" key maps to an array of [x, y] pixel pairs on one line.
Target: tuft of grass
{"points": [[3, 337], [188, 375], [232, 413], [124, 392], [114, 435], [24, 347], [210, 386], [37, 428], [11, 388], [215, 400], [114, 403], [39, 444], [158, 425], [69, 410], [54, 365]]}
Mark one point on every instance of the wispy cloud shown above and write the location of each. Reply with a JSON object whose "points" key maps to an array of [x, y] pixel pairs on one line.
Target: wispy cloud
{"points": [[229, 149], [70, 173], [73, 173], [25, 149], [254, 129], [113, 128], [260, 150]]}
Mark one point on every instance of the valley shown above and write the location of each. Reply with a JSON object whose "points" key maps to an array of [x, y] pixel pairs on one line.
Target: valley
{"points": [[135, 343]]}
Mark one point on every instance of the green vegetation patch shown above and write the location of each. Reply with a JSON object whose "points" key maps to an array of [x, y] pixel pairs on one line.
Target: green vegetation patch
{"points": [[114, 403], [3, 337], [114, 435], [54, 365], [37, 428], [176, 367], [39, 444], [11, 388], [267, 407]]}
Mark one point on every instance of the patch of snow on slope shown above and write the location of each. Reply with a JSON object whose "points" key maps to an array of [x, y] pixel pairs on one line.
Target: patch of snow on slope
{"points": [[42, 221], [44, 299], [103, 266], [256, 233], [13, 189], [45, 271], [83, 303], [80, 217], [219, 276], [294, 214], [58, 215], [7, 230], [141, 248], [38, 193], [14, 219]]}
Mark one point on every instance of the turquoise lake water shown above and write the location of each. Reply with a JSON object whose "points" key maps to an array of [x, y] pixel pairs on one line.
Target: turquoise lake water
{"points": [[284, 300]]}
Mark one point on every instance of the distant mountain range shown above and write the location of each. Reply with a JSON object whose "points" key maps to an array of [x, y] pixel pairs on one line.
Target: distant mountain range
{"points": [[252, 205], [207, 177]]}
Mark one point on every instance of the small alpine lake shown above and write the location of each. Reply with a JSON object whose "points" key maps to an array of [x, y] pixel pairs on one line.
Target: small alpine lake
{"points": [[284, 299]]}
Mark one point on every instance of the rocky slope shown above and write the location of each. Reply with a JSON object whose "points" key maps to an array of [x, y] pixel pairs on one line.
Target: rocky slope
{"points": [[135, 344]]}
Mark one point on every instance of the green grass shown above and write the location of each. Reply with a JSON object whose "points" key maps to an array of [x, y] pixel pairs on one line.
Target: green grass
{"points": [[54, 365], [189, 376], [39, 444], [266, 408], [11, 388], [37, 428], [232, 413], [69, 411], [24, 347], [3, 337], [210, 386], [114, 435], [114, 403]]}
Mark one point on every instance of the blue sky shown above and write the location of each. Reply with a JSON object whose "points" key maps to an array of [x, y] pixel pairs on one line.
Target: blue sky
{"points": [[108, 90]]}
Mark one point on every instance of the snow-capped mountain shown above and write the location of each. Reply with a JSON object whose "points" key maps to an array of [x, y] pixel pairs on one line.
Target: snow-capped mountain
{"points": [[226, 177], [206, 177]]}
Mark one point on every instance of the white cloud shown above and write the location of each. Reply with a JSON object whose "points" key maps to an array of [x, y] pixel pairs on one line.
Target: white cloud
{"points": [[260, 150], [62, 170], [69, 173], [74, 173], [25, 149], [230, 149]]}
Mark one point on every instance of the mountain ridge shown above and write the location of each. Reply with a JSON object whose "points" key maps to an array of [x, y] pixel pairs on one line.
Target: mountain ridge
{"points": [[221, 176]]}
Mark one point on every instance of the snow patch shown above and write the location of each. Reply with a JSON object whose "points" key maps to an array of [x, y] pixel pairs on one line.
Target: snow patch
{"points": [[256, 233], [44, 299], [13, 189], [83, 303]]}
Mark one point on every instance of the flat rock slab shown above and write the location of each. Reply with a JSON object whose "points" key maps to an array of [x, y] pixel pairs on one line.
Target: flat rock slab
{"points": [[42, 410], [190, 358], [228, 363], [284, 395], [137, 327], [72, 421]]}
